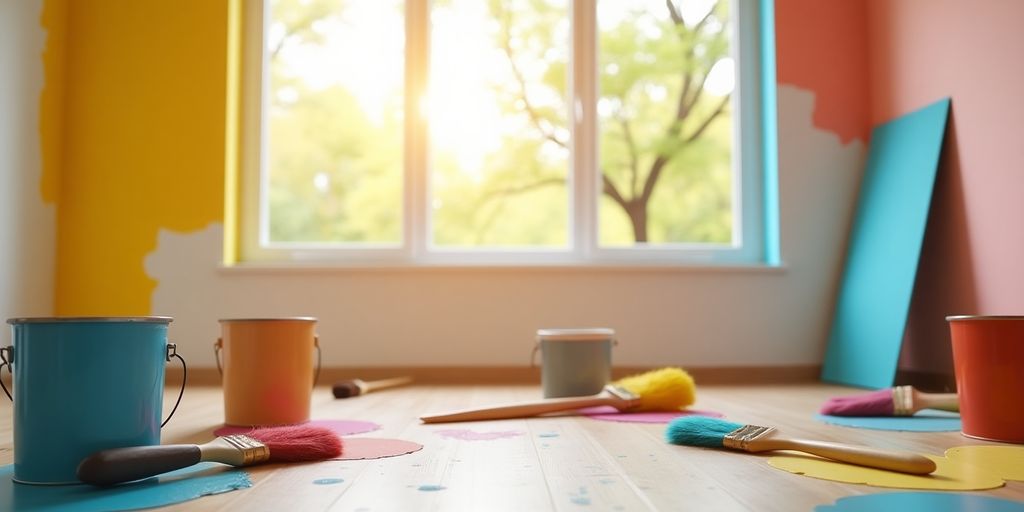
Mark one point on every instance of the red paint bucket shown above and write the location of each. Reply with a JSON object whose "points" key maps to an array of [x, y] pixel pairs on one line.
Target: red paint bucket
{"points": [[988, 358]]}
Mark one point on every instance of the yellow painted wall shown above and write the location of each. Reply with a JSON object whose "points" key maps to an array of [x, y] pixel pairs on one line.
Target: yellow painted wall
{"points": [[142, 142], [51, 102]]}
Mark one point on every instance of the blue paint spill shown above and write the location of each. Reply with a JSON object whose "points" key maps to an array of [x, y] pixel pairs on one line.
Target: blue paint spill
{"points": [[202, 479], [931, 501], [581, 497], [606, 481], [548, 434], [328, 481], [431, 488]]}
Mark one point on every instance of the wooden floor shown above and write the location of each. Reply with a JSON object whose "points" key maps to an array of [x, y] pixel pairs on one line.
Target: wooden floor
{"points": [[562, 463]]}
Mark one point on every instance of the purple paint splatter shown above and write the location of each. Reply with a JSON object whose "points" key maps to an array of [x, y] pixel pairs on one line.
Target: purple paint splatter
{"points": [[470, 435]]}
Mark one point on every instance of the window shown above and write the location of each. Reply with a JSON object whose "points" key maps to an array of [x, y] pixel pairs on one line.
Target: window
{"points": [[502, 132]]}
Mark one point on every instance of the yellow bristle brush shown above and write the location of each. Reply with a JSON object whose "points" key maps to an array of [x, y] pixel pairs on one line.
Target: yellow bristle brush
{"points": [[667, 389]]}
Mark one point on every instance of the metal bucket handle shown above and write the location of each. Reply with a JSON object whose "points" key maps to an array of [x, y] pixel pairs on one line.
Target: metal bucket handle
{"points": [[219, 345], [7, 355]]}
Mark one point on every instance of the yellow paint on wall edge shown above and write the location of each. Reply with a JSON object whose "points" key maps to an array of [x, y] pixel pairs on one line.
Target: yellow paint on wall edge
{"points": [[141, 145]]}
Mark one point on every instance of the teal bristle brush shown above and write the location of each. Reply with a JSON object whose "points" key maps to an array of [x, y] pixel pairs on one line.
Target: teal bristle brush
{"points": [[717, 433]]}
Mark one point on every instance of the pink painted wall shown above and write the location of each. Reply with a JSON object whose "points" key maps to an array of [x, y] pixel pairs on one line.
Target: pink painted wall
{"points": [[973, 256]]}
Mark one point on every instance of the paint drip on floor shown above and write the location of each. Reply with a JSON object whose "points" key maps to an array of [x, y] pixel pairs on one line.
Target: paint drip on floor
{"points": [[431, 487], [328, 481], [470, 435], [581, 497]]}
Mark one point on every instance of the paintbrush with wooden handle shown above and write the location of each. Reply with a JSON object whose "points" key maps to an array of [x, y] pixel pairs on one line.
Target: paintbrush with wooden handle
{"points": [[356, 387], [667, 389]]}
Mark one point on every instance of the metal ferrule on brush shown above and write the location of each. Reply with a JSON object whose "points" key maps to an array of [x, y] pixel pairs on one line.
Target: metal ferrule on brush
{"points": [[902, 401], [237, 450], [624, 394], [739, 438]]}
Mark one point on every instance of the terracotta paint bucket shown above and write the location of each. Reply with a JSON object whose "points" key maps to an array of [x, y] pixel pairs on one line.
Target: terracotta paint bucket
{"points": [[82, 385], [267, 369], [988, 359]]}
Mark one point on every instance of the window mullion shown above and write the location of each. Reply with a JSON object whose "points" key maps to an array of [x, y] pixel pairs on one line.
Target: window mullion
{"points": [[584, 175], [416, 192]]}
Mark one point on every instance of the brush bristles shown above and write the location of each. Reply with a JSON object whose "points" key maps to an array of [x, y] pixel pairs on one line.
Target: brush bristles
{"points": [[876, 403], [699, 431], [346, 390], [667, 389], [298, 443]]}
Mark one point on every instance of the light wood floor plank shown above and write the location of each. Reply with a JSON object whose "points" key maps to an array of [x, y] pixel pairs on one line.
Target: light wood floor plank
{"points": [[563, 463]]}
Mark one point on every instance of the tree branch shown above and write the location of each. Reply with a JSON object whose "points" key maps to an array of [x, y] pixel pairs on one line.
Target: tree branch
{"points": [[608, 188], [673, 12], [521, 189], [634, 160], [703, 126], [535, 118]]}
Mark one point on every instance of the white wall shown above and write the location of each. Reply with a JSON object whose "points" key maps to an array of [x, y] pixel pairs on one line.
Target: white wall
{"points": [[27, 225], [431, 317]]}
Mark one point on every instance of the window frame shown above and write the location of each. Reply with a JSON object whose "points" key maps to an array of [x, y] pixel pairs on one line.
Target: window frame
{"points": [[583, 248]]}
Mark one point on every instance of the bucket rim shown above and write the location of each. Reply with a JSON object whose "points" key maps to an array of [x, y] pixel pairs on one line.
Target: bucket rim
{"points": [[576, 334], [91, 319], [271, 319], [956, 318]]}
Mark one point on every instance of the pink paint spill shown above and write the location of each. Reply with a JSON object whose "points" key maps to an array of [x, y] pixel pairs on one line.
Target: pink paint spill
{"points": [[470, 435], [607, 413], [340, 427], [359, 448]]}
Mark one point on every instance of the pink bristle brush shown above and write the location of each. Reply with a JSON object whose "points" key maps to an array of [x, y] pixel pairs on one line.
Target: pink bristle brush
{"points": [[276, 444], [897, 401]]}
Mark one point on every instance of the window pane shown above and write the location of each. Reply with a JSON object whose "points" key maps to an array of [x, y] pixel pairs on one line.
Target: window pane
{"points": [[334, 113], [665, 133], [499, 134]]}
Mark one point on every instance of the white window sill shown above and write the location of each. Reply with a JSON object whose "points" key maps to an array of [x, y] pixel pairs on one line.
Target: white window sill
{"points": [[304, 267]]}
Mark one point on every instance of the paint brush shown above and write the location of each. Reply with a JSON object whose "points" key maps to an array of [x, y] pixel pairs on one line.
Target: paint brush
{"points": [[276, 444], [717, 433], [667, 389], [356, 387], [897, 401]]}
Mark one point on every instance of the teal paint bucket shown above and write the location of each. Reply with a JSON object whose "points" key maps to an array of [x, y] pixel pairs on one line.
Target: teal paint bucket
{"points": [[82, 385]]}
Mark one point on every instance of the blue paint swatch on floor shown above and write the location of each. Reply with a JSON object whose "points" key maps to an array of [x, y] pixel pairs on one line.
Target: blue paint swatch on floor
{"points": [[431, 488], [178, 486], [930, 501], [928, 420], [328, 481]]}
